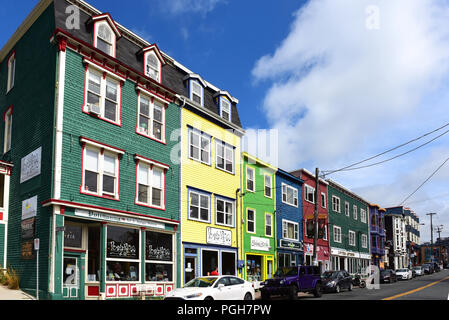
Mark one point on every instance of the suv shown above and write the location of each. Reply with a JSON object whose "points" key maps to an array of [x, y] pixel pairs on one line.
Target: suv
{"points": [[291, 280]]}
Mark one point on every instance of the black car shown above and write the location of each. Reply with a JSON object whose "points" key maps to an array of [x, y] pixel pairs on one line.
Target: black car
{"points": [[334, 281], [388, 275], [428, 268]]}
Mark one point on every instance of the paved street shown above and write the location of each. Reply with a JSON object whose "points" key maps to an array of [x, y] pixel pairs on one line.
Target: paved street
{"points": [[428, 287]]}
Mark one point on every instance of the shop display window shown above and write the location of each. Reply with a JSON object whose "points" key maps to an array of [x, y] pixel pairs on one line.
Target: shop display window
{"points": [[228, 263], [93, 258], [254, 268], [159, 272], [122, 271]]}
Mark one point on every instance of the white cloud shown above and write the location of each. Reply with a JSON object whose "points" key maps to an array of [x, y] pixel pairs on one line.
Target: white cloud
{"points": [[341, 91], [177, 7]]}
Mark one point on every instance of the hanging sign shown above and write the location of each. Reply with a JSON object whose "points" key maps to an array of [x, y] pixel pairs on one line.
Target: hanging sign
{"points": [[30, 166]]}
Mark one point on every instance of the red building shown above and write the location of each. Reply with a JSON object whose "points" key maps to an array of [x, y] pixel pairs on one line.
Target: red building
{"points": [[323, 251]]}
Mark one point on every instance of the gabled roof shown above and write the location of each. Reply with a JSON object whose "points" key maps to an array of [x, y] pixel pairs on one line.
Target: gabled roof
{"points": [[226, 94], [197, 77], [106, 16], [156, 50]]}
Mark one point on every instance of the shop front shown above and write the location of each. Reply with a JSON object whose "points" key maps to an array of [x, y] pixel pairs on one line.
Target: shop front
{"points": [[352, 262], [259, 261], [114, 256], [322, 254], [290, 253]]}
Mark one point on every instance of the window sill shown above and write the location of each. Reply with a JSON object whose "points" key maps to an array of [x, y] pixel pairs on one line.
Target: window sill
{"points": [[150, 206], [99, 196], [118, 124], [150, 137]]}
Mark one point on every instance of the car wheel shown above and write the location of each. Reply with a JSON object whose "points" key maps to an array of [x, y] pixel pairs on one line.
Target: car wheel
{"points": [[337, 288], [317, 291], [248, 296], [293, 292], [350, 287], [208, 299]]}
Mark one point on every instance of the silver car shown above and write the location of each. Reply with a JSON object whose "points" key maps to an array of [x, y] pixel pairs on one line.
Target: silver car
{"points": [[419, 270]]}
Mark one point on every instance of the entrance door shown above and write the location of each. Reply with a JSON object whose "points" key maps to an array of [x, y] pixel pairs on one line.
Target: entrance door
{"points": [[189, 268], [73, 279], [270, 270]]}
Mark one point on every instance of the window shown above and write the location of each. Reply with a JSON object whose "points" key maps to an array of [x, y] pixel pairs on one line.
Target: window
{"points": [[364, 241], [225, 212], [354, 212], [268, 184], [151, 118], [337, 234], [363, 215], [289, 195], [290, 230], [224, 157], [250, 179], [105, 38], [158, 256], [150, 185], [268, 225], [309, 193], [323, 200], [100, 174], [351, 238], [251, 221], [199, 149], [196, 92], [8, 130], [199, 206], [11, 72], [122, 256], [153, 67], [336, 204], [103, 96], [347, 208], [225, 109]]}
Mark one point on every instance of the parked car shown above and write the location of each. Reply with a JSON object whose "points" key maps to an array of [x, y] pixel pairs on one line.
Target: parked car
{"points": [[413, 273], [428, 268], [388, 275], [419, 270], [335, 281], [404, 274], [214, 288], [436, 266], [291, 280]]}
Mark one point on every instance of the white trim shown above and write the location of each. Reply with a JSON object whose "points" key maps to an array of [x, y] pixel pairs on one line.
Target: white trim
{"points": [[11, 74], [209, 209], [254, 221], [219, 143], [265, 231], [349, 238], [337, 204], [271, 186], [325, 200], [283, 229], [102, 69], [286, 201], [306, 187], [254, 179], [200, 137], [151, 162], [224, 200], [334, 233], [101, 146]]}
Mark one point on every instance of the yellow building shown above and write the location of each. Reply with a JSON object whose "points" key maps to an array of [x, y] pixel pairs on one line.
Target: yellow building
{"points": [[210, 181]]}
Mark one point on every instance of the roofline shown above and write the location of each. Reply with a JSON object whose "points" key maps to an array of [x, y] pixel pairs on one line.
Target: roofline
{"points": [[289, 175], [265, 164], [311, 174], [336, 184]]}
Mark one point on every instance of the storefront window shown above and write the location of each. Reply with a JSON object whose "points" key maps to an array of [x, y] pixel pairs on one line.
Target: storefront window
{"points": [[122, 254], [209, 261], [93, 258], [285, 260], [228, 266], [159, 256], [159, 272], [254, 268], [73, 236]]}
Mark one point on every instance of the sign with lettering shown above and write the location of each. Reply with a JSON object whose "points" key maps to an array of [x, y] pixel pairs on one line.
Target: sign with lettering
{"points": [[119, 219], [30, 166], [219, 236], [159, 246], [261, 244], [291, 244], [122, 242], [121, 250], [29, 208], [28, 228], [73, 236]]}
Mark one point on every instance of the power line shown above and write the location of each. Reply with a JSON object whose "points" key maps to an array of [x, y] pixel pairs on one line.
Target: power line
{"points": [[422, 184], [347, 168]]}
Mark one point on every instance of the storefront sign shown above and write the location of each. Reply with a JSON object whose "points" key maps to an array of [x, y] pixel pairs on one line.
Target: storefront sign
{"points": [[113, 218], [261, 244], [219, 236], [291, 244], [31, 165], [28, 228], [29, 208]]}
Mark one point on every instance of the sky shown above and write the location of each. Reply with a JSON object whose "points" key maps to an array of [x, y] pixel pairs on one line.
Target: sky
{"points": [[333, 82]]}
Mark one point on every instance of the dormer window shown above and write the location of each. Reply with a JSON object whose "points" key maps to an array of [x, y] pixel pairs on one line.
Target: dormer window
{"points": [[106, 34], [153, 67], [104, 38], [225, 109], [153, 61], [196, 92], [224, 102]]}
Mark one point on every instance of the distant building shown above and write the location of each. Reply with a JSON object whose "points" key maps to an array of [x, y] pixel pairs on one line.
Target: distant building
{"points": [[378, 236], [395, 231]]}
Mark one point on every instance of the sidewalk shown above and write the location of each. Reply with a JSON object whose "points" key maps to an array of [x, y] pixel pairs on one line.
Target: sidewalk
{"points": [[7, 294]]}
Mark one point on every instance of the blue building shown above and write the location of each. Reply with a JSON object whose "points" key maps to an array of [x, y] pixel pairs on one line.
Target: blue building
{"points": [[378, 236], [289, 219]]}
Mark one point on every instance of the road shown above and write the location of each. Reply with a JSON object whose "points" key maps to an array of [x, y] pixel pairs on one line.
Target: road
{"points": [[428, 287]]}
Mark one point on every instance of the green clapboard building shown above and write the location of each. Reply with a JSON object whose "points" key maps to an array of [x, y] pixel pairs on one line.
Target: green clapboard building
{"points": [[348, 229], [259, 210]]}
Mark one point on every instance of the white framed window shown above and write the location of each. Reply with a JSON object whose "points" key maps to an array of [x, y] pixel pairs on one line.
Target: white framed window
{"points": [[336, 204], [11, 72], [103, 96], [151, 122], [351, 238], [268, 182], [196, 92], [325, 233], [199, 146], [224, 156], [225, 109], [199, 206], [347, 208], [153, 66], [290, 230], [250, 179], [150, 185], [364, 241], [251, 220], [354, 212], [100, 172], [268, 224], [224, 212], [323, 200], [289, 195], [309, 193], [104, 38], [363, 215], [337, 234], [8, 130]]}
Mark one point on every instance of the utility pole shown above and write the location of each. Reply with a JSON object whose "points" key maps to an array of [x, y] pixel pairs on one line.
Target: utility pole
{"points": [[431, 234], [315, 218], [439, 229]]}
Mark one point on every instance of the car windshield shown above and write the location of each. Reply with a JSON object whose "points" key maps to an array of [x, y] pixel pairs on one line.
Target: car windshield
{"points": [[385, 272], [286, 272], [329, 275], [401, 270], [417, 268], [200, 282]]}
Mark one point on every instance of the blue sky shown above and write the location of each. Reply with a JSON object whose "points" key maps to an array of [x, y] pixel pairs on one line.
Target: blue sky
{"points": [[339, 81]]}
